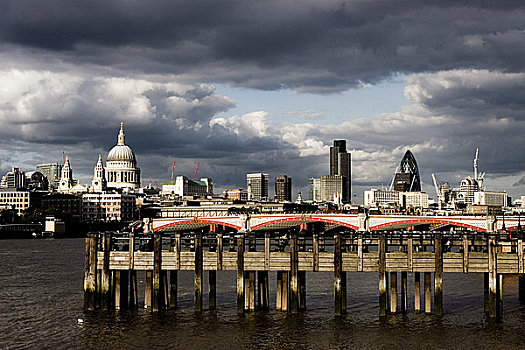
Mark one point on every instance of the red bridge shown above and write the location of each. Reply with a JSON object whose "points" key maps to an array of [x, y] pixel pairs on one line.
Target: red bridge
{"points": [[357, 222]]}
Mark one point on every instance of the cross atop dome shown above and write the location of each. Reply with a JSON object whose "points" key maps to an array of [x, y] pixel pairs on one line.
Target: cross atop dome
{"points": [[121, 135]]}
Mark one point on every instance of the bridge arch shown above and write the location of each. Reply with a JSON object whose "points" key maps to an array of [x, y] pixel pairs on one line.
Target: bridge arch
{"points": [[296, 221], [420, 221], [195, 220]]}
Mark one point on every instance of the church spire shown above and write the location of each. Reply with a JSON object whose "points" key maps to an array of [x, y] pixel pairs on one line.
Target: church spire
{"points": [[121, 135]]}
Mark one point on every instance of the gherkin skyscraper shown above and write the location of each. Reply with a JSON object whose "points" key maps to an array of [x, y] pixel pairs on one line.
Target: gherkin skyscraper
{"points": [[406, 178]]}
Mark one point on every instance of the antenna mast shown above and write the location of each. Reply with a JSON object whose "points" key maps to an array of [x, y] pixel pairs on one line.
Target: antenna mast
{"points": [[197, 169], [173, 170], [476, 165]]}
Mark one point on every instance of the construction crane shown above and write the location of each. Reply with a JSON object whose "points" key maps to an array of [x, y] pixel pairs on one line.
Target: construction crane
{"points": [[173, 170], [196, 169], [437, 191]]}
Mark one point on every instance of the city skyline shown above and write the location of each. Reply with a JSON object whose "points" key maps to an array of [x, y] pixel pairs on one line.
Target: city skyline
{"points": [[267, 90]]}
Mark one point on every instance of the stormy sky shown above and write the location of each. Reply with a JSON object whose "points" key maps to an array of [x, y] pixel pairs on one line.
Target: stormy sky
{"points": [[266, 86]]}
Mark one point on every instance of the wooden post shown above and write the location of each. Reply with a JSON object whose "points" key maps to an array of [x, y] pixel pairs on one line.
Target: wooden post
{"points": [[240, 272], [438, 275], [428, 302], [173, 289], [393, 293], [410, 251], [417, 292], [360, 254], [219, 251], [263, 291], [105, 292], [315, 250], [117, 289], [492, 248], [156, 297], [382, 275], [133, 292], [404, 278], [486, 292], [198, 271], [174, 273], [499, 295], [212, 289], [294, 269], [249, 291], [465, 254], [90, 272], [147, 289], [279, 291], [338, 292]]}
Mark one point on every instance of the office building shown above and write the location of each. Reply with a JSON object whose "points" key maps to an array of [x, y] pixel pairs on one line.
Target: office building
{"points": [[332, 188], [52, 172], [283, 189], [406, 177], [314, 189], [257, 186], [341, 164]]}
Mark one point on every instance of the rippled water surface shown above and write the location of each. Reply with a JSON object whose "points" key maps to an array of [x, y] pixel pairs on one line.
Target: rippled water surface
{"points": [[41, 307]]}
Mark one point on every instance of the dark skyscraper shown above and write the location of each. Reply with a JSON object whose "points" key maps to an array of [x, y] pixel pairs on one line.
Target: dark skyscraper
{"points": [[341, 164], [406, 178], [283, 188]]}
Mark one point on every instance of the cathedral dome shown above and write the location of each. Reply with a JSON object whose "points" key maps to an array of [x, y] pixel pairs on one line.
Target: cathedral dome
{"points": [[121, 153]]}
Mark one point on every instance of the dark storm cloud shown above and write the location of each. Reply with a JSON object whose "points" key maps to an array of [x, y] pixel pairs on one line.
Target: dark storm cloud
{"points": [[308, 46]]}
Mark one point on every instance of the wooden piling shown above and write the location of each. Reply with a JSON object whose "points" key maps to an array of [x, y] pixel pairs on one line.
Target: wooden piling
{"points": [[302, 290], [249, 291], [492, 290], [417, 292], [90, 272], [105, 291], [173, 289], [428, 302], [116, 286], [404, 280], [486, 292], [499, 295], [294, 269], [133, 293], [315, 250], [465, 254], [212, 289], [438, 275], [219, 251], [198, 272], [240, 272], [393, 293], [147, 289], [156, 294], [263, 295], [382, 275], [338, 288]]}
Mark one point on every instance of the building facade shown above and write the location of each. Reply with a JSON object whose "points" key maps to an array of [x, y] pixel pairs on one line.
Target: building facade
{"points": [[314, 189], [236, 194], [332, 188], [257, 186], [18, 200], [182, 186], [341, 164], [105, 207], [52, 172], [283, 189]]}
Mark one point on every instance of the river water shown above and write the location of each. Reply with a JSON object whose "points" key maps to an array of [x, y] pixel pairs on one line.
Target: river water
{"points": [[41, 299]]}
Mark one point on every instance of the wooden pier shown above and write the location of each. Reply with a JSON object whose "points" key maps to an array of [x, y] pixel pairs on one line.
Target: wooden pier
{"points": [[113, 259]]}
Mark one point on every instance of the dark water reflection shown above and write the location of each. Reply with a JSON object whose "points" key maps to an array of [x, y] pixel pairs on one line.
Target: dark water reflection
{"points": [[41, 305]]}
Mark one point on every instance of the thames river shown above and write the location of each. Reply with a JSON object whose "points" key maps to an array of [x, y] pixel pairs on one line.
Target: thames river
{"points": [[41, 299]]}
